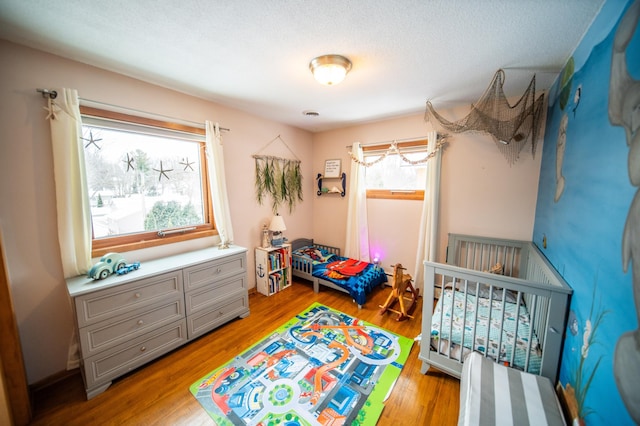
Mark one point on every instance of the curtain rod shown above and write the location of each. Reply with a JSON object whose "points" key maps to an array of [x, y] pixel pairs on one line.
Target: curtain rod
{"points": [[52, 94], [150, 114], [417, 138]]}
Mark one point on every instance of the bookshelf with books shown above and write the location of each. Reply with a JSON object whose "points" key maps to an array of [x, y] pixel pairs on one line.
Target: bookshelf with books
{"points": [[273, 269]]}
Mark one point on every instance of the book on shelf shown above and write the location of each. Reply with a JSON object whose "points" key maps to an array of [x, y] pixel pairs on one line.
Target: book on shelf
{"points": [[275, 280], [278, 259]]}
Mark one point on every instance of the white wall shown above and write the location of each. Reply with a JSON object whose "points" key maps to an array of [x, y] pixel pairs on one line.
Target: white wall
{"points": [[27, 198], [480, 193]]}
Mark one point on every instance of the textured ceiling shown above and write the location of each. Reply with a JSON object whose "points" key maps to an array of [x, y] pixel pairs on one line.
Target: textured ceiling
{"points": [[254, 54]]}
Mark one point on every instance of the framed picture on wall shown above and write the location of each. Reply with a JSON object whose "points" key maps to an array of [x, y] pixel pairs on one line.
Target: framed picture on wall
{"points": [[332, 168]]}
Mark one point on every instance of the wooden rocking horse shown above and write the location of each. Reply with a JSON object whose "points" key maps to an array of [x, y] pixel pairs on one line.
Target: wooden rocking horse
{"points": [[401, 282]]}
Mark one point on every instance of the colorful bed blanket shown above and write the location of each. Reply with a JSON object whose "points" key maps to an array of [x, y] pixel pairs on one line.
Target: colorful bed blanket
{"points": [[345, 268], [452, 315], [358, 285]]}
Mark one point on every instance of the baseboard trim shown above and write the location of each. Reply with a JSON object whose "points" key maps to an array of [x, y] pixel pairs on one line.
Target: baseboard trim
{"points": [[53, 379]]}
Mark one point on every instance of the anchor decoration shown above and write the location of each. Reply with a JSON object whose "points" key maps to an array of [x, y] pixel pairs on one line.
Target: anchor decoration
{"points": [[260, 271]]}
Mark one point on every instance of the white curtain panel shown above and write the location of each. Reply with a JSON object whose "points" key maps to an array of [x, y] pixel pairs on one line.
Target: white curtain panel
{"points": [[217, 181], [357, 244], [428, 234], [72, 197]]}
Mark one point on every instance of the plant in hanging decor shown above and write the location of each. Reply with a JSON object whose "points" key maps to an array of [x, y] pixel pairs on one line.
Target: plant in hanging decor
{"points": [[280, 178]]}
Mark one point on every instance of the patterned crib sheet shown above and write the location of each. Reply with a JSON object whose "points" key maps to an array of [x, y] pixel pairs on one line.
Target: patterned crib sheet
{"points": [[445, 319]]}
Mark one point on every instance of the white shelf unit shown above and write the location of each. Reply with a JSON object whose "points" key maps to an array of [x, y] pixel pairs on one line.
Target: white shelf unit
{"points": [[273, 269]]}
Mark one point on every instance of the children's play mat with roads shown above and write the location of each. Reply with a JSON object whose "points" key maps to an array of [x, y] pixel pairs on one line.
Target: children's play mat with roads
{"points": [[322, 367]]}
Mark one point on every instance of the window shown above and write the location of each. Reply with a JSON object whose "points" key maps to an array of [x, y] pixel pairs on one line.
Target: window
{"points": [[393, 177], [146, 179]]}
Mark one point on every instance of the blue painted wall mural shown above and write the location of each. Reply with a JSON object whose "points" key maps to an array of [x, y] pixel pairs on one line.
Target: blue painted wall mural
{"points": [[588, 215]]}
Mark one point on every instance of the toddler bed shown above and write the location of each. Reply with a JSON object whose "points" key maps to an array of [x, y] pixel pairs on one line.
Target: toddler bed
{"points": [[323, 265], [515, 315]]}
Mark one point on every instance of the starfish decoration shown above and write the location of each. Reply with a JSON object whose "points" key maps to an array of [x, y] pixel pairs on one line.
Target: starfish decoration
{"points": [[52, 110], [129, 162], [91, 140], [186, 163], [163, 172]]}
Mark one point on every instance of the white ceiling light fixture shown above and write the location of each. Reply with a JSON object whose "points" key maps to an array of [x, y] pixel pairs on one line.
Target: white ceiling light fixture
{"points": [[330, 69]]}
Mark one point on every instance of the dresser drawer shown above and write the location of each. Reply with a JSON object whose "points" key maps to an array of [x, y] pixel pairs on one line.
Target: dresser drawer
{"points": [[118, 360], [118, 300], [226, 309], [205, 297], [216, 270], [105, 334]]}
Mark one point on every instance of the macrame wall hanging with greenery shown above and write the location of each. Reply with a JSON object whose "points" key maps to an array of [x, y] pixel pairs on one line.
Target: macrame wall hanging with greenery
{"points": [[279, 178]]}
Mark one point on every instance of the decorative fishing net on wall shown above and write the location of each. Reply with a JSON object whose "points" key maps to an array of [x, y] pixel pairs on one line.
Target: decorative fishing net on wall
{"points": [[512, 127]]}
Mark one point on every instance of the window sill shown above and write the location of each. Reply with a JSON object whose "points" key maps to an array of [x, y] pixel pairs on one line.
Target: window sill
{"points": [[395, 195], [121, 248]]}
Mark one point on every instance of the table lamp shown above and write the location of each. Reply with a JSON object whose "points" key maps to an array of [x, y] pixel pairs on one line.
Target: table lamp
{"points": [[276, 227]]}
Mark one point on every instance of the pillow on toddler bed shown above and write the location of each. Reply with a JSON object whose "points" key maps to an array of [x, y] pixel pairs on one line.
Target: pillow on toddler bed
{"points": [[315, 254]]}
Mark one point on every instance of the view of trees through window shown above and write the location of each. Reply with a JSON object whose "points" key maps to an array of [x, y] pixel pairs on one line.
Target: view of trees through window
{"points": [[141, 182], [393, 173]]}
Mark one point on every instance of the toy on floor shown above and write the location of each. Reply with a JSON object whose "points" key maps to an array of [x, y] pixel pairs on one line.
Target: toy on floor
{"points": [[401, 283]]}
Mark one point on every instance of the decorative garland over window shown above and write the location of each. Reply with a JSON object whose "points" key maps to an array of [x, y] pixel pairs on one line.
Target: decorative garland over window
{"points": [[393, 149]]}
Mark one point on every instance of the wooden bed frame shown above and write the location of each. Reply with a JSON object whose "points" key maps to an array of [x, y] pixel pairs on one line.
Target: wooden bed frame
{"points": [[302, 267], [526, 270]]}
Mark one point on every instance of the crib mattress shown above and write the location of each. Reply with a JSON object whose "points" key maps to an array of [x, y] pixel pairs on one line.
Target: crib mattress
{"points": [[453, 314], [492, 394]]}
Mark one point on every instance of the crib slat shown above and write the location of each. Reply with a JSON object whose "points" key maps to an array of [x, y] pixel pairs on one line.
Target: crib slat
{"points": [[530, 337], [515, 340], [488, 337], [464, 320], [475, 318], [453, 299], [513, 262], [438, 345], [501, 323]]}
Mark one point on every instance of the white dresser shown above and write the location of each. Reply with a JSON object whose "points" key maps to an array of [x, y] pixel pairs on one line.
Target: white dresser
{"points": [[125, 321]]}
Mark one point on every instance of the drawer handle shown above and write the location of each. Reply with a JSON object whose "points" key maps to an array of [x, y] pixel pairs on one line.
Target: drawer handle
{"points": [[142, 349], [220, 313], [219, 270], [138, 295], [140, 322]]}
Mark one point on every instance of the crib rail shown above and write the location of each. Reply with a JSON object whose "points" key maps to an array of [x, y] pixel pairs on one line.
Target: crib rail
{"points": [[480, 254]]}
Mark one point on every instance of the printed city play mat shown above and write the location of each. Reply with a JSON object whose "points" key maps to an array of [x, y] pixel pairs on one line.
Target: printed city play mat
{"points": [[323, 367]]}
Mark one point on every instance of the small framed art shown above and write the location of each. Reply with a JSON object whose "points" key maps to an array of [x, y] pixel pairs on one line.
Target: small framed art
{"points": [[332, 169]]}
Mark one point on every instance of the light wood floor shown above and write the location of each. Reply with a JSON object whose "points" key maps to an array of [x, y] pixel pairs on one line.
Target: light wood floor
{"points": [[158, 393]]}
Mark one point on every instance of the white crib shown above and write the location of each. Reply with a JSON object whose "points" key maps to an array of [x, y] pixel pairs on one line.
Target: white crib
{"points": [[516, 318]]}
